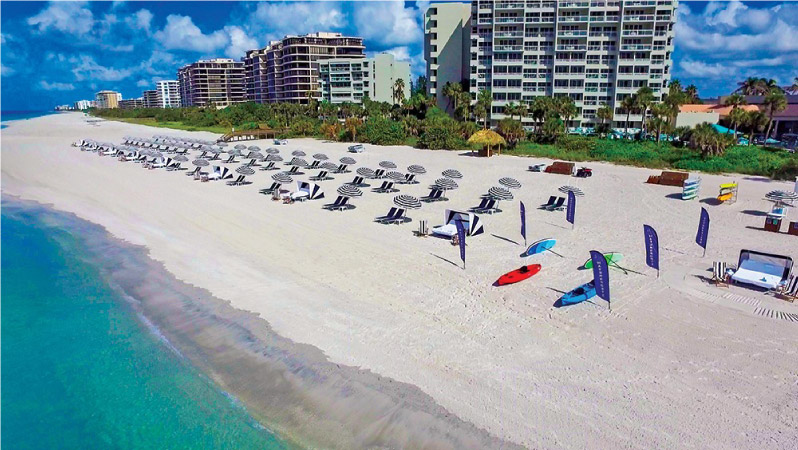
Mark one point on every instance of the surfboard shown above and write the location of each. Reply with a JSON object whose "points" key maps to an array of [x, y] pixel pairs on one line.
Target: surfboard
{"points": [[611, 257], [539, 247], [518, 274], [578, 295]]}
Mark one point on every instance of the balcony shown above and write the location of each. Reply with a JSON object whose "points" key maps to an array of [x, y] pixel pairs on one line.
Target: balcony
{"points": [[599, 48], [578, 47], [635, 47], [574, 18], [506, 34], [573, 33], [546, 19], [485, 21], [645, 18], [640, 3], [508, 48], [539, 35], [509, 5], [659, 48], [638, 32], [574, 4], [608, 34], [507, 20]]}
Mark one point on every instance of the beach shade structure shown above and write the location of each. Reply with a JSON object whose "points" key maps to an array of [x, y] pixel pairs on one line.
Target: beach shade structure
{"points": [[365, 172], [200, 162], [307, 191], [222, 144], [234, 152], [320, 157], [347, 190], [347, 160], [282, 178], [510, 183], [181, 158], [782, 196], [407, 201], [298, 153], [500, 193], [273, 157], [566, 189], [452, 173], [253, 148], [272, 151], [245, 170], [298, 162], [240, 147], [255, 155], [416, 169], [387, 165], [395, 176], [445, 184], [488, 140], [471, 223], [328, 166]]}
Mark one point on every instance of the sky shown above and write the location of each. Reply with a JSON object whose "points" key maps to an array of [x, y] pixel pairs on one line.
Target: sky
{"points": [[60, 52]]}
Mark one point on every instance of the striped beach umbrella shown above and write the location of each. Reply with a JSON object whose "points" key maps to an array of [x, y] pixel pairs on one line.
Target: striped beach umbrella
{"points": [[328, 166], [365, 172], [395, 176], [222, 144], [781, 196], [347, 190], [240, 147], [452, 173], [282, 178], [415, 168], [347, 160], [510, 183], [253, 148], [245, 170], [407, 201], [272, 157], [500, 193], [200, 162], [566, 189], [445, 184], [387, 165], [320, 157], [181, 158], [298, 153], [272, 151], [298, 162]]}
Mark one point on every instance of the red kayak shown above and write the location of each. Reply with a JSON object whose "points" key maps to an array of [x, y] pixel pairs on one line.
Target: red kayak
{"points": [[519, 274]]}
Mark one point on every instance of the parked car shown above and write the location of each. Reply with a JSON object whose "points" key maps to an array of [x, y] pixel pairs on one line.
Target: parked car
{"points": [[357, 148], [281, 142]]}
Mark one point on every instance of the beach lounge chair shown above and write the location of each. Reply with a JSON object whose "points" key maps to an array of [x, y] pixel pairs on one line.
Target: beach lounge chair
{"points": [[269, 166], [558, 205], [790, 292], [215, 157], [202, 155], [294, 170], [719, 275], [386, 187], [341, 203], [231, 159], [343, 168], [174, 166], [194, 172], [484, 202], [552, 199], [391, 213], [410, 178], [240, 181], [537, 167], [323, 175], [252, 163], [275, 187], [489, 208], [358, 181], [435, 195], [314, 164], [379, 173], [395, 215]]}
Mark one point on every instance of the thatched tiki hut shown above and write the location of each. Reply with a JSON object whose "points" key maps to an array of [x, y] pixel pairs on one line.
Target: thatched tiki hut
{"points": [[489, 140]]}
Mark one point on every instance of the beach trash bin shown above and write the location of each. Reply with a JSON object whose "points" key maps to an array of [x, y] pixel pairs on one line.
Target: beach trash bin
{"points": [[773, 223], [793, 229]]}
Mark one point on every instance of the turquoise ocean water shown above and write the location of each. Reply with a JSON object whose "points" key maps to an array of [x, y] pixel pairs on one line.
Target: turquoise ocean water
{"points": [[20, 115], [80, 368]]}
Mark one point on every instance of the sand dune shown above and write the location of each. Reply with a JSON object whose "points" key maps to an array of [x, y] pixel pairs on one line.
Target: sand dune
{"points": [[676, 363]]}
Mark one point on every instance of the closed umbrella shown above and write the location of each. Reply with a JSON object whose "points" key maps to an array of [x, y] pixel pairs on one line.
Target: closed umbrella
{"points": [[320, 157], [298, 153], [365, 172], [347, 160], [407, 201], [245, 170], [348, 190], [282, 178], [452, 173], [395, 176], [510, 183], [566, 189], [387, 165], [415, 168], [200, 162]]}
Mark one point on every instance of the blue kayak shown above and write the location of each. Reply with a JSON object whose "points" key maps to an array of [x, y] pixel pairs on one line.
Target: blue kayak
{"points": [[538, 247], [580, 294]]}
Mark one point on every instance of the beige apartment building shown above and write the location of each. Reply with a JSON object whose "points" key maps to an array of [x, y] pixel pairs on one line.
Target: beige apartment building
{"points": [[218, 82], [447, 29], [349, 80], [107, 99], [288, 69], [596, 52]]}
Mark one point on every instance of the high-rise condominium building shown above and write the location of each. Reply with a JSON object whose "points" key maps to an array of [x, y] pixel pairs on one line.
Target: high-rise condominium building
{"points": [[288, 69], [351, 79], [132, 103], [107, 99], [168, 93], [80, 105], [596, 52], [447, 32], [218, 82], [151, 99]]}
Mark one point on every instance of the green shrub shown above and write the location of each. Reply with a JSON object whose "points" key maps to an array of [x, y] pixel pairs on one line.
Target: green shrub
{"points": [[382, 131], [441, 132]]}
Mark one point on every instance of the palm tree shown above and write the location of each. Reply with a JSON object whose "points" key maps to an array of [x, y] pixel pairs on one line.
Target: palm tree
{"points": [[644, 97], [755, 121], [484, 101], [511, 109], [768, 86], [604, 113], [735, 100], [661, 113], [749, 86], [452, 92], [628, 104], [794, 88], [398, 91], [736, 118], [708, 140], [775, 101]]}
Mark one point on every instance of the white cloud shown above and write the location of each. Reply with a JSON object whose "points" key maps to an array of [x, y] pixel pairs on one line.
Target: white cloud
{"points": [[240, 42], [180, 33], [276, 19], [401, 53], [140, 20], [388, 23], [68, 17], [143, 83], [56, 86], [84, 67], [700, 69], [6, 71]]}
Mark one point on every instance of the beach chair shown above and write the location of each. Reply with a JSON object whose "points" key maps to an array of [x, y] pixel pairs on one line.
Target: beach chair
{"points": [[399, 217], [294, 170], [386, 187], [390, 215], [791, 290], [174, 166], [240, 181], [269, 166], [552, 199], [275, 187], [489, 208], [202, 155], [410, 178], [358, 181], [252, 163], [314, 164], [343, 168], [558, 205], [194, 172], [719, 275], [379, 173], [482, 204], [435, 195], [231, 159], [340, 204], [323, 175], [215, 157]]}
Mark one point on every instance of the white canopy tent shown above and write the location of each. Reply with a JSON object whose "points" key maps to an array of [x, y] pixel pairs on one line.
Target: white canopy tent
{"points": [[765, 270], [471, 224]]}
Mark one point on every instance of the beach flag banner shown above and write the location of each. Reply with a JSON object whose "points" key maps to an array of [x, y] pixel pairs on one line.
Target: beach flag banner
{"points": [[523, 222], [601, 275], [703, 230], [652, 247], [570, 210], [461, 237]]}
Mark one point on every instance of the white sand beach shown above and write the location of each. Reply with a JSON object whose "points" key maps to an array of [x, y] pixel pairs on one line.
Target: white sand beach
{"points": [[677, 362]]}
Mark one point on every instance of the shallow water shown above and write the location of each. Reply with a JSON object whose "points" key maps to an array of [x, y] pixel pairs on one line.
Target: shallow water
{"points": [[82, 369]]}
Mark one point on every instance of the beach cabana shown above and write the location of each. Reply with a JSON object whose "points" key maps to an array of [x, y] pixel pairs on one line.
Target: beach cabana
{"points": [[307, 191], [470, 221], [765, 270], [488, 140]]}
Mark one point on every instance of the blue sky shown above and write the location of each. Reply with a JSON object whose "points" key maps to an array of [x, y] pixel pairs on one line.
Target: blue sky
{"points": [[55, 53]]}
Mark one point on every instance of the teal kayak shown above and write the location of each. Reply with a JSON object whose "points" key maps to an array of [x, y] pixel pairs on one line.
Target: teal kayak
{"points": [[578, 295]]}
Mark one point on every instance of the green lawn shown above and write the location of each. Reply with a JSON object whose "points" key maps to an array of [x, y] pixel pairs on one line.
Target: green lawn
{"points": [[174, 125]]}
